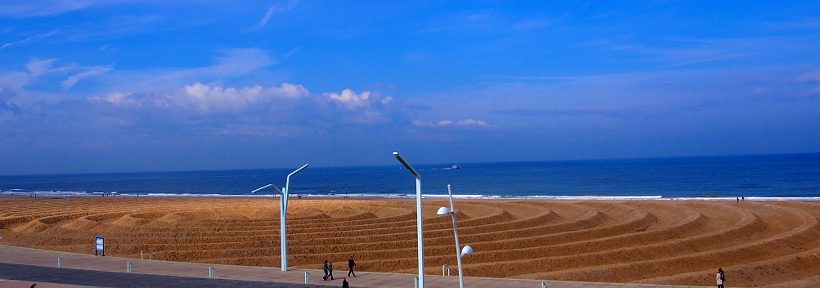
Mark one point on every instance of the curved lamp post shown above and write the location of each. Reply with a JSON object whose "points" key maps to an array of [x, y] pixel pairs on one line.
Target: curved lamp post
{"points": [[419, 221], [467, 250], [283, 211]]}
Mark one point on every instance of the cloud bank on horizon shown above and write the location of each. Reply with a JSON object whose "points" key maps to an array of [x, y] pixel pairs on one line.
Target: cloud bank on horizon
{"points": [[169, 85]]}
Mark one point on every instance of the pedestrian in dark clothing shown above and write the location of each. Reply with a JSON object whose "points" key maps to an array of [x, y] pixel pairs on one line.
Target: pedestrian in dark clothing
{"points": [[324, 268], [350, 265], [344, 283], [330, 269]]}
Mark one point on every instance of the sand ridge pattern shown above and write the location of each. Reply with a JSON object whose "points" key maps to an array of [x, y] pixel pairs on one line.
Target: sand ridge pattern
{"points": [[658, 242]]}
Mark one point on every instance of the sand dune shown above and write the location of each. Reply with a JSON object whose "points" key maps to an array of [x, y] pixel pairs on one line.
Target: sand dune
{"points": [[662, 242]]}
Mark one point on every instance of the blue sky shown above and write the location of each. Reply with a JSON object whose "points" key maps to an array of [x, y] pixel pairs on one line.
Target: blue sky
{"points": [[110, 86]]}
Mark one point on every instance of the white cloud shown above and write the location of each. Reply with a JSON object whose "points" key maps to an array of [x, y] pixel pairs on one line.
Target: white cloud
{"points": [[205, 98], [468, 122], [471, 122], [85, 73], [288, 90], [118, 99], [213, 99], [351, 100]]}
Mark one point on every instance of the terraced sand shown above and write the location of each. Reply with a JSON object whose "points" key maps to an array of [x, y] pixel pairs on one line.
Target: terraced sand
{"points": [[663, 242]]}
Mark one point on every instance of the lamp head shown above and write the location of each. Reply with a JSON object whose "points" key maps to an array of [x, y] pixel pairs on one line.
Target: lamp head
{"points": [[467, 250], [406, 165], [443, 211]]}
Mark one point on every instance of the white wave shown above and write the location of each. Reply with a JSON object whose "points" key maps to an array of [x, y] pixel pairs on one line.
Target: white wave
{"points": [[212, 195], [752, 198], [23, 192], [593, 197]]}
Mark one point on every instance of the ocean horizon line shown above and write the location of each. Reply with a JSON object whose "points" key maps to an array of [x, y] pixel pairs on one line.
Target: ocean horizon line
{"points": [[769, 175], [431, 165]]}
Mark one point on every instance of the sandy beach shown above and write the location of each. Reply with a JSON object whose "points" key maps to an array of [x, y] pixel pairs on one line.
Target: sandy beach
{"points": [[659, 242]]}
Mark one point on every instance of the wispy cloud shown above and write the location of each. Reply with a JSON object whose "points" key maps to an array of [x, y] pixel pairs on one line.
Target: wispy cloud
{"points": [[475, 21], [109, 29], [6, 106], [231, 63], [574, 111], [265, 19], [85, 73], [35, 68], [809, 76], [530, 24], [14, 95], [805, 23], [30, 40], [685, 53], [468, 122], [29, 8], [288, 5]]}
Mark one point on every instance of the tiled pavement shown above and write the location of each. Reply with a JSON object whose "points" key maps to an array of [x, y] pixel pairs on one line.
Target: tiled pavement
{"points": [[24, 264]]}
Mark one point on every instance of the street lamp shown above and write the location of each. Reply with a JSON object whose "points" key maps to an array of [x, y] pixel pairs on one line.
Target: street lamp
{"points": [[283, 210], [419, 220], [467, 250]]}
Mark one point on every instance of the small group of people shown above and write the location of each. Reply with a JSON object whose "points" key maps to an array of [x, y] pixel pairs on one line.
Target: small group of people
{"points": [[328, 269]]}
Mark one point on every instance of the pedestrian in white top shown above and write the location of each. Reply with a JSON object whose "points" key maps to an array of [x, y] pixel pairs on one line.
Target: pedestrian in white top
{"points": [[720, 278]]}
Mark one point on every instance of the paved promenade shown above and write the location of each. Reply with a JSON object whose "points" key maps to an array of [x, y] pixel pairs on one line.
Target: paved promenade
{"points": [[19, 266]]}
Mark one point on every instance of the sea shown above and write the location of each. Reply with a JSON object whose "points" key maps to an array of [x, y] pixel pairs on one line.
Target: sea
{"points": [[753, 177]]}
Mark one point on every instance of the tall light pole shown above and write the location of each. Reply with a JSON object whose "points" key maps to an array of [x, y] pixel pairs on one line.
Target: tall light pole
{"points": [[419, 220], [459, 252], [283, 211]]}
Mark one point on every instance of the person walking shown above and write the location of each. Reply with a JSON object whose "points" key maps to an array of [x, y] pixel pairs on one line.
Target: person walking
{"points": [[350, 265], [345, 284], [720, 278], [324, 268], [330, 269]]}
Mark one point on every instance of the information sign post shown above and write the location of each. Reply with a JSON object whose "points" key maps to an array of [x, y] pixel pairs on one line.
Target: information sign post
{"points": [[99, 246]]}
